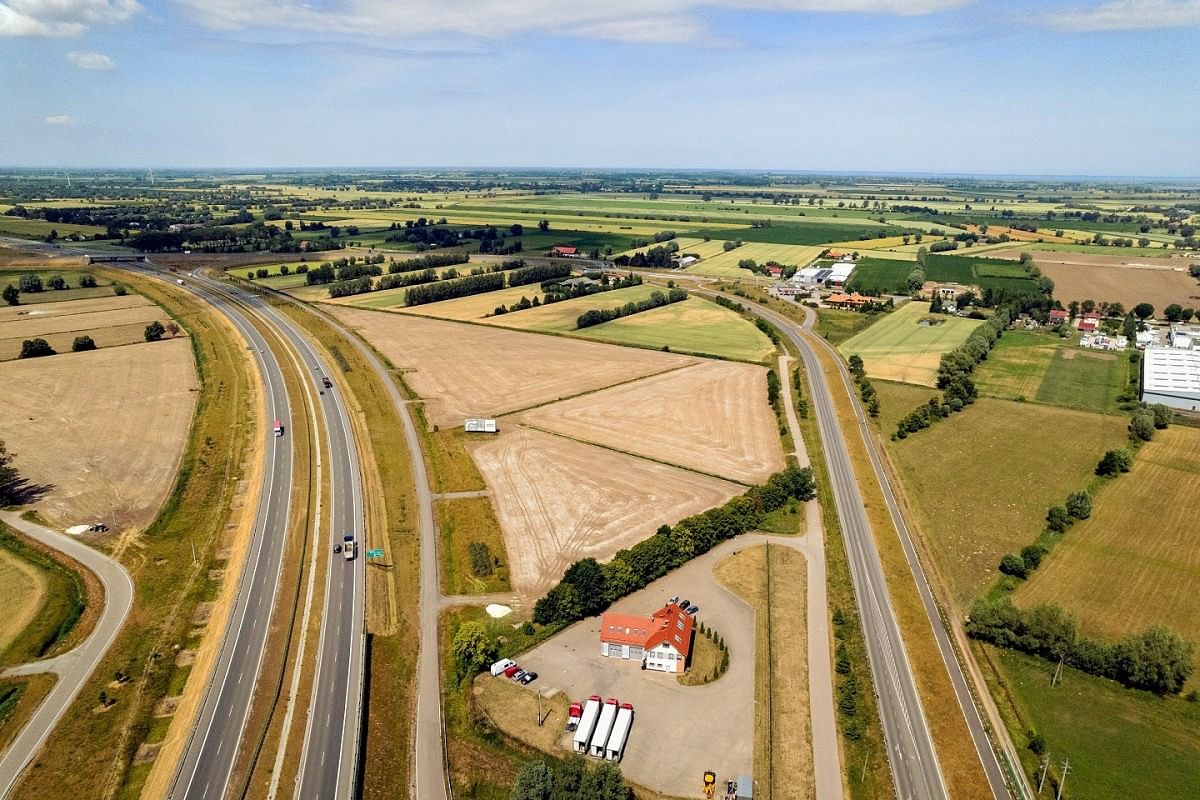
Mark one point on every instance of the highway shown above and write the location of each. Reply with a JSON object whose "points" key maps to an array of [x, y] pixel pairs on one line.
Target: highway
{"points": [[73, 668], [329, 760]]}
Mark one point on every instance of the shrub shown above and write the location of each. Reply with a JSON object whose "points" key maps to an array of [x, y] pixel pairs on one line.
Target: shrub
{"points": [[1079, 505], [1115, 462], [1141, 426], [481, 559], [154, 331], [35, 348], [87, 281], [1057, 519], [83, 343], [29, 282], [1014, 565]]}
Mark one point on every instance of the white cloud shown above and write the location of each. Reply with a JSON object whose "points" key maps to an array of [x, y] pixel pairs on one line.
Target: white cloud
{"points": [[61, 17], [642, 21], [60, 119], [92, 61], [1122, 15]]}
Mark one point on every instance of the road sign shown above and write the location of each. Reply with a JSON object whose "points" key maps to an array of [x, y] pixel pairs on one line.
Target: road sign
{"points": [[374, 554]]}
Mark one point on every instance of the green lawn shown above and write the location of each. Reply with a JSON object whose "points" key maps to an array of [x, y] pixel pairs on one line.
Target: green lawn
{"points": [[1121, 743], [1016, 366], [40, 229], [1087, 379], [692, 326], [900, 347]]}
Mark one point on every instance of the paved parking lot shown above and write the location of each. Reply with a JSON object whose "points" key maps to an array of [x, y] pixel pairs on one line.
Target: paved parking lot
{"points": [[678, 731]]}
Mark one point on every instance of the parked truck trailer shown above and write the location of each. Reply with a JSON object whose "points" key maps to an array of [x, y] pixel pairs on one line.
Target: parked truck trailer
{"points": [[620, 733], [604, 725], [587, 724]]}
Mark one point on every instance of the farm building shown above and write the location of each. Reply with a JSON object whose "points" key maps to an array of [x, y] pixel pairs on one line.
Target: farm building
{"points": [[480, 426], [661, 641], [839, 272], [854, 300], [1088, 325], [812, 276], [563, 250], [1058, 316], [685, 261], [1171, 376]]}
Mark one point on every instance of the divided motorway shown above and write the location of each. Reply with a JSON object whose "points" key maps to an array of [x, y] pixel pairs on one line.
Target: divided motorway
{"points": [[911, 753], [329, 761]]}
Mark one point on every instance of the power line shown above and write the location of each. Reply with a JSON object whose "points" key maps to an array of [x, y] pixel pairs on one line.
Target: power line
{"points": [[1062, 781]]}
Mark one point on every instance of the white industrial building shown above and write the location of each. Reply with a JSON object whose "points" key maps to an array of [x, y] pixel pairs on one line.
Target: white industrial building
{"points": [[1171, 376]]}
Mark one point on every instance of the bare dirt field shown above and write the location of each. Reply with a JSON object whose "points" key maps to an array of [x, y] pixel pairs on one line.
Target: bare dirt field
{"points": [[712, 417], [103, 430], [1126, 279], [107, 328], [471, 370], [559, 500]]}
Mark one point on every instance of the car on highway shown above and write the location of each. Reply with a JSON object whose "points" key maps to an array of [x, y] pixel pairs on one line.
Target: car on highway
{"points": [[337, 548], [325, 380], [348, 546]]}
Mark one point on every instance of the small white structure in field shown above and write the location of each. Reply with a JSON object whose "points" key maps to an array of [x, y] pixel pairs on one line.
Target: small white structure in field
{"points": [[480, 426]]}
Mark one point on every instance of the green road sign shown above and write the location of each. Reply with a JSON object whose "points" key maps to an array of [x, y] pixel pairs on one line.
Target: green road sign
{"points": [[374, 554]]}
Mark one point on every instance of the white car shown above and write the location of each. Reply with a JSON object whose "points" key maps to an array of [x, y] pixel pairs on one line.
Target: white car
{"points": [[501, 665]]}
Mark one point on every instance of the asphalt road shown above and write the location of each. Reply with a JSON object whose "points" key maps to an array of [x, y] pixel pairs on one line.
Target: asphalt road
{"points": [[205, 769], [915, 769], [329, 761], [73, 668]]}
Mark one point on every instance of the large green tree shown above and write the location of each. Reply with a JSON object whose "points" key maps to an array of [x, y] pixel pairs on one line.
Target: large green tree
{"points": [[473, 648]]}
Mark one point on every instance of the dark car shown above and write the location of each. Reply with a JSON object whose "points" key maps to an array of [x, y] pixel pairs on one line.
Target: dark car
{"points": [[693, 609], [325, 380], [684, 604], [529, 678], [519, 675], [337, 548]]}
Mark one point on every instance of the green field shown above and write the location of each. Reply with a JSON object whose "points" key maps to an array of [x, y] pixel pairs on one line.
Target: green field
{"points": [[692, 326], [103, 287], [1122, 743], [561, 316], [40, 229], [980, 481], [898, 347], [1136, 561], [836, 325], [1045, 368], [792, 232]]}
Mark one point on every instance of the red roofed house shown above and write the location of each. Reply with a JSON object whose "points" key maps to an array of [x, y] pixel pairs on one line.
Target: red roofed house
{"points": [[774, 270], [662, 641], [839, 300], [1057, 316], [562, 250], [1088, 325]]}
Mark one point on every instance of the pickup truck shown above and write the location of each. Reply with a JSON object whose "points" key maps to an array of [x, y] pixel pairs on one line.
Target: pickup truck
{"points": [[348, 547]]}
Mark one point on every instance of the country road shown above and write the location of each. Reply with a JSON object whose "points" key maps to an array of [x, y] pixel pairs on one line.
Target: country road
{"points": [[73, 668], [911, 752]]}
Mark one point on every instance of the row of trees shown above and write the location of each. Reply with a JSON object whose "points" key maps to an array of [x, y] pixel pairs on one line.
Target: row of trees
{"points": [[31, 283], [569, 779], [557, 291], [446, 290], [865, 390], [1157, 659], [660, 257], [432, 261], [539, 273], [39, 347], [588, 587], [596, 316]]}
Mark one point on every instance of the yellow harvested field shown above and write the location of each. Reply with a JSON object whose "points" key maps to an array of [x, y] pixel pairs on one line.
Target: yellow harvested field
{"points": [[103, 430], [725, 264], [686, 245], [1136, 561], [70, 307], [881, 244], [559, 500], [711, 417], [113, 336], [22, 589], [1042, 235], [43, 325], [473, 370]]}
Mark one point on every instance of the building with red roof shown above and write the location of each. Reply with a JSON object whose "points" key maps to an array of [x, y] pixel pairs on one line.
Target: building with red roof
{"points": [[1088, 325], [661, 641], [563, 250], [1057, 316]]}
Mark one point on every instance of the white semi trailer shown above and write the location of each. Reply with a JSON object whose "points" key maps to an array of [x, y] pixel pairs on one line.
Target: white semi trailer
{"points": [[604, 725], [620, 733], [587, 724]]}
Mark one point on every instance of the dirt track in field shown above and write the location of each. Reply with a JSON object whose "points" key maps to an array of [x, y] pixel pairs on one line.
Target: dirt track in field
{"points": [[104, 429], [470, 370], [712, 417], [559, 500]]}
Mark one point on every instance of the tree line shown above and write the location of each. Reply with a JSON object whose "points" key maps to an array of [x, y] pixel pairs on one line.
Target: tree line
{"points": [[556, 292], [866, 392], [587, 587], [31, 283], [954, 374], [571, 778], [596, 316]]}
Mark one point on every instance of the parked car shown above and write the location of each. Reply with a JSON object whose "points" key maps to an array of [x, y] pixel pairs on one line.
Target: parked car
{"points": [[693, 609], [529, 678], [673, 600], [684, 603], [510, 671], [519, 674]]}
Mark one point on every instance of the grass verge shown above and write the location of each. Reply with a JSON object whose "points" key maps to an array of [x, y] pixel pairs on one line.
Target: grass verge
{"points": [[472, 550], [55, 627]]}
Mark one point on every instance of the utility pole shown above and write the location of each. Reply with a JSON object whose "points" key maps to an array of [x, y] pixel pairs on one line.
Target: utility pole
{"points": [[1045, 769], [1057, 673], [541, 719], [193, 544], [1062, 781]]}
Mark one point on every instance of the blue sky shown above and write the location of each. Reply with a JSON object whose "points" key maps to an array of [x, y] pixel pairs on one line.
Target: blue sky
{"points": [[1040, 87]]}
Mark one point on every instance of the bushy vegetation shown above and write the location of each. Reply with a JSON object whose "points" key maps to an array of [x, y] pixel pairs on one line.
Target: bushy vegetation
{"points": [[345, 288], [35, 348], [597, 316], [588, 587], [447, 290], [538, 274], [1157, 660], [569, 779], [866, 391]]}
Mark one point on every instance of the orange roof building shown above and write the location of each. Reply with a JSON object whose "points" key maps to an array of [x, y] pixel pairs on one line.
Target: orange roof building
{"points": [[662, 641], [854, 300]]}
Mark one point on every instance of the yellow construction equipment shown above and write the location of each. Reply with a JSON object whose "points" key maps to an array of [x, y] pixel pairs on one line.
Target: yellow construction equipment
{"points": [[710, 783]]}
